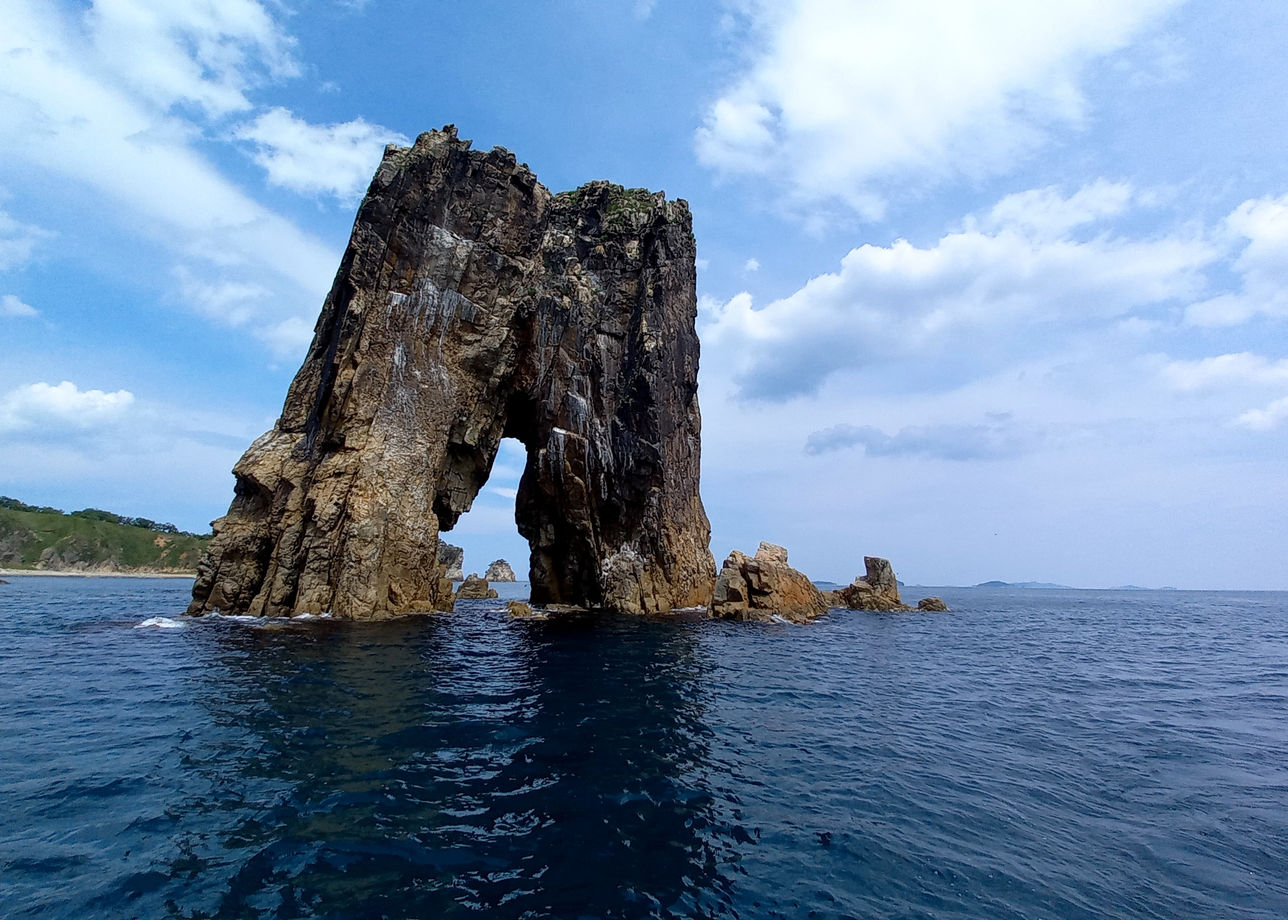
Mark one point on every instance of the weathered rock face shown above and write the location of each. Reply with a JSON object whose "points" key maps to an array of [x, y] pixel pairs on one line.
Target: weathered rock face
{"points": [[878, 589], [453, 558], [933, 604], [475, 588], [758, 587], [500, 571], [471, 305]]}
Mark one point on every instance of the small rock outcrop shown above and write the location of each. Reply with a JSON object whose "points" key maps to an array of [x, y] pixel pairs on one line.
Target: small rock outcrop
{"points": [[499, 571], [472, 304], [762, 586], [453, 558], [521, 611], [475, 588], [877, 589], [933, 604]]}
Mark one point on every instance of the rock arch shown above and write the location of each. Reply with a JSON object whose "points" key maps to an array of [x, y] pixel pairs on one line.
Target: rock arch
{"points": [[471, 305]]}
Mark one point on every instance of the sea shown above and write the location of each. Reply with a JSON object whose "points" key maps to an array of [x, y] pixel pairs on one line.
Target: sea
{"points": [[1031, 754]]}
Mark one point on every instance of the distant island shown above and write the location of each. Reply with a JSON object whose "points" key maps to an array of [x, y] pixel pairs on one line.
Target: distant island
{"points": [[1047, 584], [1019, 584], [93, 542]]}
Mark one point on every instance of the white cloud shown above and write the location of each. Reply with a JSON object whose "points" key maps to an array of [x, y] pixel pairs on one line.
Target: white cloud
{"points": [[1262, 266], [62, 407], [18, 241], [1264, 419], [201, 52], [751, 265], [1048, 214], [504, 492], [971, 296], [12, 306], [995, 438], [1241, 367], [288, 338], [77, 110], [843, 95], [335, 159]]}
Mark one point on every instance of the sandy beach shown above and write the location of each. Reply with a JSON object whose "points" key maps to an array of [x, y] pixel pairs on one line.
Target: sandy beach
{"points": [[18, 573]]}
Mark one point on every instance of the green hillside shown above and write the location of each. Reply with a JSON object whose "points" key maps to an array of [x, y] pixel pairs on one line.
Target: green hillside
{"points": [[47, 539]]}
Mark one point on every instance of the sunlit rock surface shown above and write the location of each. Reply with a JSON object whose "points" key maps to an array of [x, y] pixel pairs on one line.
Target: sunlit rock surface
{"points": [[763, 586]]}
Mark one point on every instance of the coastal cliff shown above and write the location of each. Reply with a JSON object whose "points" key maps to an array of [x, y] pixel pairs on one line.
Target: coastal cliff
{"points": [[470, 305], [93, 542]]}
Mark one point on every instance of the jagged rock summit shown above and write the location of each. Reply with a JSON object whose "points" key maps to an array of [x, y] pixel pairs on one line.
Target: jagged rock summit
{"points": [[472, 304]]}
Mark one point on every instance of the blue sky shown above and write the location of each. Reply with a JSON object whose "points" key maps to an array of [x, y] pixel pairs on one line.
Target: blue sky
{"points": [[994, 289]]}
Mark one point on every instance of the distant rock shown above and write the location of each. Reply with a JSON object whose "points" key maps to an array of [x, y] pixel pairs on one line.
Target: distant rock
{"points": [[932, 604], [475, 588], [453, 557], [876, 589], [763, 586], [499, 571]]}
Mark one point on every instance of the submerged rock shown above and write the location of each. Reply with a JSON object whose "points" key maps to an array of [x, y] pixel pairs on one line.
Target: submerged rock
{"points": [[877, 589], [470, 305], [499, 571], [475, 588], [763, 586], [453, 558], [932, 604]]}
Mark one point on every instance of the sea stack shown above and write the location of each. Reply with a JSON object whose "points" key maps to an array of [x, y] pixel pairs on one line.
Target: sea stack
{"points": [[500, 571], [470, 305]]}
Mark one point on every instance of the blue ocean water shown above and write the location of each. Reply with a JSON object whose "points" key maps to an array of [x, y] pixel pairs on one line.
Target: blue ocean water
{"points": [[1035, 754]]}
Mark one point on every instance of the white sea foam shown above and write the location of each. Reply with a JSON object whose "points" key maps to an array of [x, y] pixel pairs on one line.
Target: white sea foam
{"points": [[160, 623]]}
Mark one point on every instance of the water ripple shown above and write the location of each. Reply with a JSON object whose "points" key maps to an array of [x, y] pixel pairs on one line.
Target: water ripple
{"points": [[1034, 754]]}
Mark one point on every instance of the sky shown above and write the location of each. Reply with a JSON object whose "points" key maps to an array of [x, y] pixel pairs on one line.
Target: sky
{"points": [[994, 289]]}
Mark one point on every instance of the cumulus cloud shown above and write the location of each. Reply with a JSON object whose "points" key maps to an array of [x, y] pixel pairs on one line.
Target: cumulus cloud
{"points": [[1240, 367], [996, 439], [970, 294], [1261, 225], [751, 265], [840, 96], [18, 241], [12, 306], [336, 159], [61, 408], [1272, 416]]}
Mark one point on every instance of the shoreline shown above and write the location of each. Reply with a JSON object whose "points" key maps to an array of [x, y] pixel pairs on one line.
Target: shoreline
{"points": [[20, 573]]}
